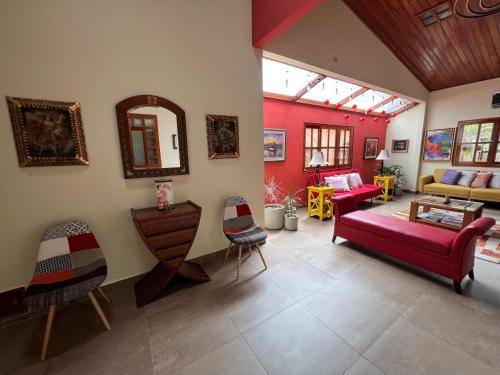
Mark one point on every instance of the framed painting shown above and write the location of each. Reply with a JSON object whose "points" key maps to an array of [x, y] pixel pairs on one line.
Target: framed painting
{"points": [[223, 137], [274, 144], [438, 144], [371, 148], [400, 145], [47, 133]]}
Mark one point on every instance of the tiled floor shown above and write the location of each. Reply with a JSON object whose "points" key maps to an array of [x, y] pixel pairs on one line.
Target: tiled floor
{"points": [[320, 308]]}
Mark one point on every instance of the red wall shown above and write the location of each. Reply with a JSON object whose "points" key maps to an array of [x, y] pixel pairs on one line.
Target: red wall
{"points": [[292, 116]]}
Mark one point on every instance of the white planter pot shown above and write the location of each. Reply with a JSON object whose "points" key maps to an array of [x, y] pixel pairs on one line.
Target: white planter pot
{"points": [[273, 216], [291, 222], [291, 211]]}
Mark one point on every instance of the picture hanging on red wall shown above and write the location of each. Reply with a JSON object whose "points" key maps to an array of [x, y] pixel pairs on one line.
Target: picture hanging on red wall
{"points": [[274, 144], [371, 148]]}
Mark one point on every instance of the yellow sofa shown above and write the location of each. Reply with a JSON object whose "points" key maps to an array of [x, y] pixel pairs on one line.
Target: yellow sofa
{"points": [[428, 185]]}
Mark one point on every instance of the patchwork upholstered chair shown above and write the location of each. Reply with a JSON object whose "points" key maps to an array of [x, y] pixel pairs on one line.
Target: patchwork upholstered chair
{"points": [[241, 230], [70, 265]]}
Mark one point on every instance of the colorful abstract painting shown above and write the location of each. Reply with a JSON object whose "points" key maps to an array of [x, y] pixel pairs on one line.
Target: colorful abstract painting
{"points": [[274, 144], [439, 144]]}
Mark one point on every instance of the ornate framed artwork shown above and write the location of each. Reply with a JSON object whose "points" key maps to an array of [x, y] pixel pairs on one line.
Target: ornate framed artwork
{"points": [[438, 144], [274, 144], [371, 148], [223, 137], [47, 133], [400, 145]]}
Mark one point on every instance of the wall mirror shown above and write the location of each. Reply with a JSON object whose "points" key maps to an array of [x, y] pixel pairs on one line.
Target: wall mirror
{"points": [[152, 137]]}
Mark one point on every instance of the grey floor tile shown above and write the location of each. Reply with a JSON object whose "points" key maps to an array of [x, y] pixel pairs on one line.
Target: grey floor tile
{"points": [[363, 367], [295, 342]]}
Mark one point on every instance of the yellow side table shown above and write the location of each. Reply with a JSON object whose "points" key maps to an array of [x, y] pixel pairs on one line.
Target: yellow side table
{"points": [[318, 201], [387, 184]]}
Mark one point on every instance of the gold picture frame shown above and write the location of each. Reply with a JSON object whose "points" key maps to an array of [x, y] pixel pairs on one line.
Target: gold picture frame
{"points": [[222, 137], [47, 133]]}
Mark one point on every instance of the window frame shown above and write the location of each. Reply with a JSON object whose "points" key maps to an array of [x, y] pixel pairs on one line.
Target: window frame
{"points": [[320, 127], [494, 143], [143, 128]]}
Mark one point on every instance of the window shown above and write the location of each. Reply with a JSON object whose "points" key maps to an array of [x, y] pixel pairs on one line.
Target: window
{"points": [[144, 140], [477, 143], [334, 141]]}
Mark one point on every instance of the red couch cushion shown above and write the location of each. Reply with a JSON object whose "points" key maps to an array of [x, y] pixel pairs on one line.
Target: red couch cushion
{"points": [[364, 192], [427, 237]]}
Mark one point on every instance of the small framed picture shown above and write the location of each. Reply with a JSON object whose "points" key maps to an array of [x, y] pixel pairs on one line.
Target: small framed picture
{"points": [[400, 145], [223, 137], [274, 144], [371, 148], [47, 133]]}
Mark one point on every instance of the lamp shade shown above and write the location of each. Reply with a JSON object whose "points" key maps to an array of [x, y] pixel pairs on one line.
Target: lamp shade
{"points": [[317, 159], [384, 155]]}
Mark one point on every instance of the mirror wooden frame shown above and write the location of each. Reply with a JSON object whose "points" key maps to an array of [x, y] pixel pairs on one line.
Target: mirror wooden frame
{"points": [[122, 109]]}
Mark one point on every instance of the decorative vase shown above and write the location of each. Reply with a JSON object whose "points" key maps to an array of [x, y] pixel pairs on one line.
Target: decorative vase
{"points": [[291, 222], [273, 216], [164, 194]]}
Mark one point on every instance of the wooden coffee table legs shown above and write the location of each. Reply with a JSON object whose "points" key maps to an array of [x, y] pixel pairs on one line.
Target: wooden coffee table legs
{"points": [[147, 288]]}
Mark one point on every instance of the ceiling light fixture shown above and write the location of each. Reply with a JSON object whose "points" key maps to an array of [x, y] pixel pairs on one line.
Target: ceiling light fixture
{"points": [[463, 8]]}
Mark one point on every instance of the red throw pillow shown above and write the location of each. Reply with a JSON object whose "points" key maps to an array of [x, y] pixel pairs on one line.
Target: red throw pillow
{"points": [[481, 180]]}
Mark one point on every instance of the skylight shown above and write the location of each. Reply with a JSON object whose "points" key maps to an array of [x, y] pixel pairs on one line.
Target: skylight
{"points": [[368, 99], [393, 105], [332, 90], [283, 79]]}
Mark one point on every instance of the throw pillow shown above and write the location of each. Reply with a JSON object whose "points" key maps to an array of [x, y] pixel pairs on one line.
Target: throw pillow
{"points": [[450, 177], [352, 181], [495, 181], [466, 178], [359, 180], [481, 180], [338, 182]]}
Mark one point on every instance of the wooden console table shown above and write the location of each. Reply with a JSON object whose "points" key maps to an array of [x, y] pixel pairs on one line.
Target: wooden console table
{"points": [[168, 234]]}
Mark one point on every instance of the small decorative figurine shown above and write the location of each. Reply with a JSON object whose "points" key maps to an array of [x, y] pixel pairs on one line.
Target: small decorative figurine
{"points": [[164, 194]]}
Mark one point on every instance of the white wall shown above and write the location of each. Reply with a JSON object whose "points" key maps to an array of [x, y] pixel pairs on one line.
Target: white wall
{"points": [[331, 31], [195, 53], [449, 106]]}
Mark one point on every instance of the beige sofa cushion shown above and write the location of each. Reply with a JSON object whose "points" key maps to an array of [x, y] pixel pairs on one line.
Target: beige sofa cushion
{"points": [[488, 194]]}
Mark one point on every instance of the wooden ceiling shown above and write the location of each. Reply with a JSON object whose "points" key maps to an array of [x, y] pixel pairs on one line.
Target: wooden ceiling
{"points": [[448, 53]]}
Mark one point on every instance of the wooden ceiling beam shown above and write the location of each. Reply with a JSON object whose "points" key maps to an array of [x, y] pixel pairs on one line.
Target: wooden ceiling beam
{"points": [[383, 102], [353, 95], [308, 87], [402, 109]]}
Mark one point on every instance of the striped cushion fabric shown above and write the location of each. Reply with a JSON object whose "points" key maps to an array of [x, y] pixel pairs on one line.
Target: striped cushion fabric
{"points": [[239, 226], [70, 264]]}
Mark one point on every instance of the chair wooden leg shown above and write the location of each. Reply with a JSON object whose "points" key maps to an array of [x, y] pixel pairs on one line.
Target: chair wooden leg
{"points": [[239, 262], [99, 310], [261, 256], [48, 329], [228, 251], [103, 295]]}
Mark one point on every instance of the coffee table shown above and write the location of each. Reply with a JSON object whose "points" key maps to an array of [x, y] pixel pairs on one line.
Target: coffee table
{"points": [[470, 210]]}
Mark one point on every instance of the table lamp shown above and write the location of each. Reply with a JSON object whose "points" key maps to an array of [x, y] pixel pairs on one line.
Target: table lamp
{"points": [[384, 155], [317, 160]]}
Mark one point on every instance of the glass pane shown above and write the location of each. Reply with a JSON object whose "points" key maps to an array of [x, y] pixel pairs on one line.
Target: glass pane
{"points": [[308, 137], [497, 156], [347, 137], [307, 157], [331, 156], [324, 138], [347, 155], [482, 151], [150, 133], [138, 147], [149, 122], [367, 99], [393, 105], [332, 137], [466, 152], [342, 135], [332, 89], [341, 155], [151, 142], [315, 136], [470, 133], [486, 132], [137, 121], [283, 79], [152, 153]]}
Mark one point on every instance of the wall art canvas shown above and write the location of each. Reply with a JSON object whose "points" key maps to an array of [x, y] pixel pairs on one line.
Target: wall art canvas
{"points": [[223, 137], [274, 144], [438, 145], [47, 133], [371, 148], [400, 145]]}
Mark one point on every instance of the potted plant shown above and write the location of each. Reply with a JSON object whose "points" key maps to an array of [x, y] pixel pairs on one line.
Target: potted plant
{"points": [[291, 201], [274, 212], [394, 170]]}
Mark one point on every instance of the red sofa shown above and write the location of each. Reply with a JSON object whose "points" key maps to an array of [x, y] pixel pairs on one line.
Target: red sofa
{"points": [[441, 251], [367, 191]]}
